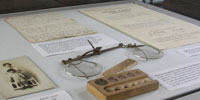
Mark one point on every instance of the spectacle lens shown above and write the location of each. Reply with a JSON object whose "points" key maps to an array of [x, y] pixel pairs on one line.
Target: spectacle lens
{"points": [[83, 68], [147, 52]]}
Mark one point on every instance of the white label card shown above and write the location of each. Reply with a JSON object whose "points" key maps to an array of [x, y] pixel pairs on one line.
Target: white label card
{"points": [[61, 95], [191, 50], [72, 44], [179, 77]]}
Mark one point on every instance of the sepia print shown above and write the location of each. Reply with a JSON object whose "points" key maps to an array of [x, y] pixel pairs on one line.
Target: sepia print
{"points": [[19, 76]]}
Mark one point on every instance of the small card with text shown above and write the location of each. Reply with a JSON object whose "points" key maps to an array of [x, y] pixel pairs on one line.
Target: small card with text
{"points": [[60, 95]]}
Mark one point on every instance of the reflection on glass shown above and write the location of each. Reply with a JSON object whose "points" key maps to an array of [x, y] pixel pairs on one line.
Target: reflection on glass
{"points": [[146, 52], [83, 68]]}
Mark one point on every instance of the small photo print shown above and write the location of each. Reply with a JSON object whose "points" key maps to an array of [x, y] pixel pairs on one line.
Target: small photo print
{"points": [[19, 76]]}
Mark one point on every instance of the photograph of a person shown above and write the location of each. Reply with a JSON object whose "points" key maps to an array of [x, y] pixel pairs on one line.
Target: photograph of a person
{"points": [[19, 76], [19, 79]]}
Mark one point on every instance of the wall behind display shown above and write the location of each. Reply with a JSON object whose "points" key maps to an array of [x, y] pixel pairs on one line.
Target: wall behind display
{"points": [[10, 6], [153, 1]]}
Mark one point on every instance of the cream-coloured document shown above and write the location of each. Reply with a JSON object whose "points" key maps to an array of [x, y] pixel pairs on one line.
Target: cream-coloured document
{"points": [[47, 26], [151, 27]]}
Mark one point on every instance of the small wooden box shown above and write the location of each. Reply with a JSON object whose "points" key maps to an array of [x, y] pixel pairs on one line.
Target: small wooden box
{"points": [[122, 86]]}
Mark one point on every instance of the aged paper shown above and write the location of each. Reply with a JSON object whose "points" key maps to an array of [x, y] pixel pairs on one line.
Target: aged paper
{"points": [[72, 44], [47, 26], [19, 76], [148, 26]]}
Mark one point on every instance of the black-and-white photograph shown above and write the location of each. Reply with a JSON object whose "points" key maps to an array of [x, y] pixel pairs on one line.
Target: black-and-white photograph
{"points": [[19, 76]]}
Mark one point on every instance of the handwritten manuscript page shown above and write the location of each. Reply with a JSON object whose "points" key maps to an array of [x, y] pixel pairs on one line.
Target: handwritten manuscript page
{"points": [[47, 26]]}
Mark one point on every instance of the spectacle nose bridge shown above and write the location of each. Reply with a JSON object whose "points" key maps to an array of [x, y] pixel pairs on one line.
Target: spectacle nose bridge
{"points": [[70, 60]]}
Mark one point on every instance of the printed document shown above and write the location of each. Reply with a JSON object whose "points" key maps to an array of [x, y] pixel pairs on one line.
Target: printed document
{"points": [[60, 95], [73, 44], [190, 50], [179, 77], [47, 26], [151, 27]]}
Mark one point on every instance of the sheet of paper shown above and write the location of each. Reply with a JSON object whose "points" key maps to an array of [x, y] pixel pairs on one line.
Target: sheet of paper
{"points": [[179, 77], [191, 50], [47, 26], [148, 26], [73, 44], [60, 95]]}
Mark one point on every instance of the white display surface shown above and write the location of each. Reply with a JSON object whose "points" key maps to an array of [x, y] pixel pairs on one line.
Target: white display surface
{"points": [[13, 45]]}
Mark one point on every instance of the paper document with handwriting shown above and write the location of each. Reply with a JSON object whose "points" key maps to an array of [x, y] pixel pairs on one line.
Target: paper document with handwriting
{"points": [[148, 26], [47, 26]]}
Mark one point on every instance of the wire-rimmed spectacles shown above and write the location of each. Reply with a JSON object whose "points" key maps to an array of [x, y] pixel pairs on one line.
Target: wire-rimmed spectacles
{"points": [[83, 68]]}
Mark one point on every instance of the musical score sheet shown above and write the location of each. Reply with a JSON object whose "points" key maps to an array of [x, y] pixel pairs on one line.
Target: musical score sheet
{"points": [[47, 26], [151, 27]]}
